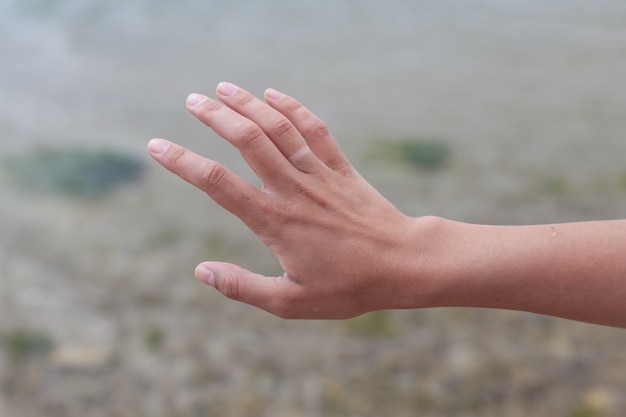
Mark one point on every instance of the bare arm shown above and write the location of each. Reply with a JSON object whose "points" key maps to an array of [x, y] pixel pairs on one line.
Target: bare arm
{"points": [[346, 250], [570, 270]]}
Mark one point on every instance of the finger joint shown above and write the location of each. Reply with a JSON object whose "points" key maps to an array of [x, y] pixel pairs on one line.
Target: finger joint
{"points": [[317, 129], [230, 287], [213, 175], [249, 135], [280, 127]]}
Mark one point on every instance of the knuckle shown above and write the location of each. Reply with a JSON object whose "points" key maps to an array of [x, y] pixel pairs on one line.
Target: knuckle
{"points": [[294, 106], [230, 287], [176, 156], [209, 107], [317, 128], [213, 175], [312, 125], [246, 99], [249, 134], [280, 127]]}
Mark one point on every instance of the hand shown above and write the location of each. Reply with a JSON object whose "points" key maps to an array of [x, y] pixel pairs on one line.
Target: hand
{"points": [[346, 250], [343, 247]]}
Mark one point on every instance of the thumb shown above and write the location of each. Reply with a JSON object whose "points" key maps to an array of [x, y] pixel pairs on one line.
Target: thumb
{"points": [[277, 295]]}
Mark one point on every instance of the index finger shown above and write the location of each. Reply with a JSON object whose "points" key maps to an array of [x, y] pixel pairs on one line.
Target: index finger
{"points": [[226, 188]]}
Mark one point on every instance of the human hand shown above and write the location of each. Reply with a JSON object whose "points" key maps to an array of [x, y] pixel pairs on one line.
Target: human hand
{"points": [[343, 247]]}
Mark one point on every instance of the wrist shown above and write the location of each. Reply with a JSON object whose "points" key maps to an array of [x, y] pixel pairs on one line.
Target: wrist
{"points": [[448, 264], [423, 264]]}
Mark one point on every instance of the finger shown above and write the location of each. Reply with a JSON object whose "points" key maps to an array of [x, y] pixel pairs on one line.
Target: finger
{"points": [[276, 126], [255, 147], [224, 187], [314, 131], [276, 295]]}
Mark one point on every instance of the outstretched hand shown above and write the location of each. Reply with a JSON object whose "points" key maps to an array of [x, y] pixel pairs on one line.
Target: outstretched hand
{"points": [[345, 250], [343, 247]]}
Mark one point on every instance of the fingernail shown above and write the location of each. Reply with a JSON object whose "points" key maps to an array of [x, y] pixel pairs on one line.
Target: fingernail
{"points": [[158, 146], [194, 100], [205, 275], [227, 89], [276, 95]]}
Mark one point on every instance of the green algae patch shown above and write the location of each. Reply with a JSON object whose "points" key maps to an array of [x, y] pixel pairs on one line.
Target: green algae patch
{"points": [[73, 172], [421, 154], [27, 342], [154, 337]]}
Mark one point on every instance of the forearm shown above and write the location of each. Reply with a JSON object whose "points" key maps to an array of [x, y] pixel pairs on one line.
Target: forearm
{"points": [[571, 270]]}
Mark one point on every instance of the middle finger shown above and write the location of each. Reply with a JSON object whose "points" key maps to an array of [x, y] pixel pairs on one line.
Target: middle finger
{"points": [[255, 147], [276, 126]]}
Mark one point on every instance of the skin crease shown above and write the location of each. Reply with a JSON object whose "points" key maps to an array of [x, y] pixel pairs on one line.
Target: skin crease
{"points": [[346, 250]]}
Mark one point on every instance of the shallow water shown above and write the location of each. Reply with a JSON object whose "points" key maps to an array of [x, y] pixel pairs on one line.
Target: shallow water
{"points": [[528, 95]]}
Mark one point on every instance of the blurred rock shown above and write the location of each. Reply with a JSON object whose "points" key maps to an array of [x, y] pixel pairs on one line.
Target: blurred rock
{"points": [[77, 357]]}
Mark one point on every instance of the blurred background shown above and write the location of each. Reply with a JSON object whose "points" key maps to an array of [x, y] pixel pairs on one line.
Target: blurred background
{"points": [[490, 111]]}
